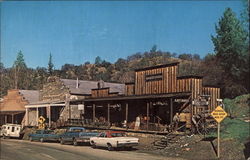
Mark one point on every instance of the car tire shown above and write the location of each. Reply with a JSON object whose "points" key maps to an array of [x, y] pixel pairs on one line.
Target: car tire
{"points": [[41, 140], [61, 141], [129, 148], [75, 142], [110, 148], [93, 145]]}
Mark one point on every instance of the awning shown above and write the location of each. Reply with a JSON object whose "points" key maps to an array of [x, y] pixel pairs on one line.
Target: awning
{"points": [[11, 112], [39, 105], [135, 97]]}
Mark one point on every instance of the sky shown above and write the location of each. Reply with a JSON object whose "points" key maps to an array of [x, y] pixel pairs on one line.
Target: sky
{"points": [[78, 31]]}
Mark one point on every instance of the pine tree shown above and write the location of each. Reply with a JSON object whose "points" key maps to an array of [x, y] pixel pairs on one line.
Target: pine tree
{"points": [[50, 65], [231, 48], [20, 69], [230, 43]]}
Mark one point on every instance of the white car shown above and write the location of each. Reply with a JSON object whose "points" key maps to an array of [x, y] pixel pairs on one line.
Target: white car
{"points": [[11, 130], [113, 139]]}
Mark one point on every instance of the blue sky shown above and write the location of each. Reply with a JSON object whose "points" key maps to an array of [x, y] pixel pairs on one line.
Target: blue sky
{"points": [[77, 31]]}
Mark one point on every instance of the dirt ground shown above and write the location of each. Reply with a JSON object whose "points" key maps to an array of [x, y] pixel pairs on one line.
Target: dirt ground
{"points": [[197, 148]]}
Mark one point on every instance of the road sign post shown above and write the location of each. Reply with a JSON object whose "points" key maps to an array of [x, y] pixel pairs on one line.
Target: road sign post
{"points": [[218, 114]]}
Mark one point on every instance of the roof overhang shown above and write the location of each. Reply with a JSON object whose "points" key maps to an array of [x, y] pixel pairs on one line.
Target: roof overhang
{"points": [[138, 97], [40, 105], [12, 112]]}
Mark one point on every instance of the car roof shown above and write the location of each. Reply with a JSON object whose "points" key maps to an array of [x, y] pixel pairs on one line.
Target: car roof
{"points": [[76, 128], [110, 132]]}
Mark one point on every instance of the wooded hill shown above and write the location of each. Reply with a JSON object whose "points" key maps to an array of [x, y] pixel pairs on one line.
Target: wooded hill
{"points": [[123, 71]]}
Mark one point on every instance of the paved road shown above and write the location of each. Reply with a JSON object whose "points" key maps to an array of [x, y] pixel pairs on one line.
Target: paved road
{"points": [[24, 150]]}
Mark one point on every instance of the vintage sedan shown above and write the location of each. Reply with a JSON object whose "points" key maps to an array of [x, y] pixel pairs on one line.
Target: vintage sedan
{"points": [[44, 135], [76, 135], [113, 139]]}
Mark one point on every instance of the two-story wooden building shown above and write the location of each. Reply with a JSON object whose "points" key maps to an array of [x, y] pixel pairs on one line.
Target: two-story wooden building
{"points": [[156, 95]]}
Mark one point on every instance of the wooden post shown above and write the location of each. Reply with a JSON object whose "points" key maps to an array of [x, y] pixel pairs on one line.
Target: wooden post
{"points": [[27, 117], [218, 142], [171, 110], [37, 115], [12, 118], [147, 114], [6, 119], [93, 112], [69, 111], [49, 108], [126, 115], [109, 114], [67, 105]]}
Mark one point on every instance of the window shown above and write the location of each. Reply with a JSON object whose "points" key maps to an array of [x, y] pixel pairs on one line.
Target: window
{"points": [[77, 130], [48, 132], [17, 128], [8, 127], [102, 135], [12, 129], [117, 134]]}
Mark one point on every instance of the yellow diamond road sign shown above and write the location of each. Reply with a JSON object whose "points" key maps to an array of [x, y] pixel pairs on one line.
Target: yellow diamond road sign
{"points": [[219, 114]]}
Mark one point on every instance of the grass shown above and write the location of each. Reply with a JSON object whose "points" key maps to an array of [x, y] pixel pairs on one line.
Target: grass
{"points": [[234, 126], [235, 129]]}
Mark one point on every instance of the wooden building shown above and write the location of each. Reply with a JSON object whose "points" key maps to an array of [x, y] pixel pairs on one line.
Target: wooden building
{"points": [[156, 95], [12, 107], [59, 100]]}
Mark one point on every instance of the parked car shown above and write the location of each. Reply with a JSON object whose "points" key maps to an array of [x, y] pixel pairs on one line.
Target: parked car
{"points": [[113, 139], [76, 135], [11, 130], [44, 135]]}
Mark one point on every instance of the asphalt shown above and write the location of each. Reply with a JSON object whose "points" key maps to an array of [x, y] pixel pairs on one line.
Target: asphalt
{"points": [[15, 150], [12, 149]]}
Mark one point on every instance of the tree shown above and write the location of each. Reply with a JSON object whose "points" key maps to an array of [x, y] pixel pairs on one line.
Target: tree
{"points": [[185, 56], [98, 60], [19, 68], [230, 41], [231, 48], [153, 49], [50, 65]]}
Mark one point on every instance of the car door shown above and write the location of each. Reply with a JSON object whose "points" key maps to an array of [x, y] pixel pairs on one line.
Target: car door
{"points": [[99, 139], [103, 140], [46, 135], [12, 131]]}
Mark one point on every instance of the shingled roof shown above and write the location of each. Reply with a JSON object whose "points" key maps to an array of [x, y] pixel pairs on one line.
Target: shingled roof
{"points": [[84, 87], [30, 95]]}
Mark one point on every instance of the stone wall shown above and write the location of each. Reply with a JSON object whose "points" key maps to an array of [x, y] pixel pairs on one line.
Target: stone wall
{"points": [[54, 90]]}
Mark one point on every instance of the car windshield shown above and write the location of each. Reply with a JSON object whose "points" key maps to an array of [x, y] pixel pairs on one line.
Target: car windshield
{"points": [[48, 132], [77, 130], [117, 134]]}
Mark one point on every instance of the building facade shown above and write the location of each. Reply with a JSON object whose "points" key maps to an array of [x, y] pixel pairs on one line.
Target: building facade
{"points": [[12, 107]]}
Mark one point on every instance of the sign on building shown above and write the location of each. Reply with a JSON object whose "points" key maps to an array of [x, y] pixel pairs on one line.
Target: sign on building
{"points": [[80, 106], [200, 102]]}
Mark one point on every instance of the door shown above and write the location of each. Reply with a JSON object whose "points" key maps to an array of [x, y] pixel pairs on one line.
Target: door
{"points": [[100, 140]]}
